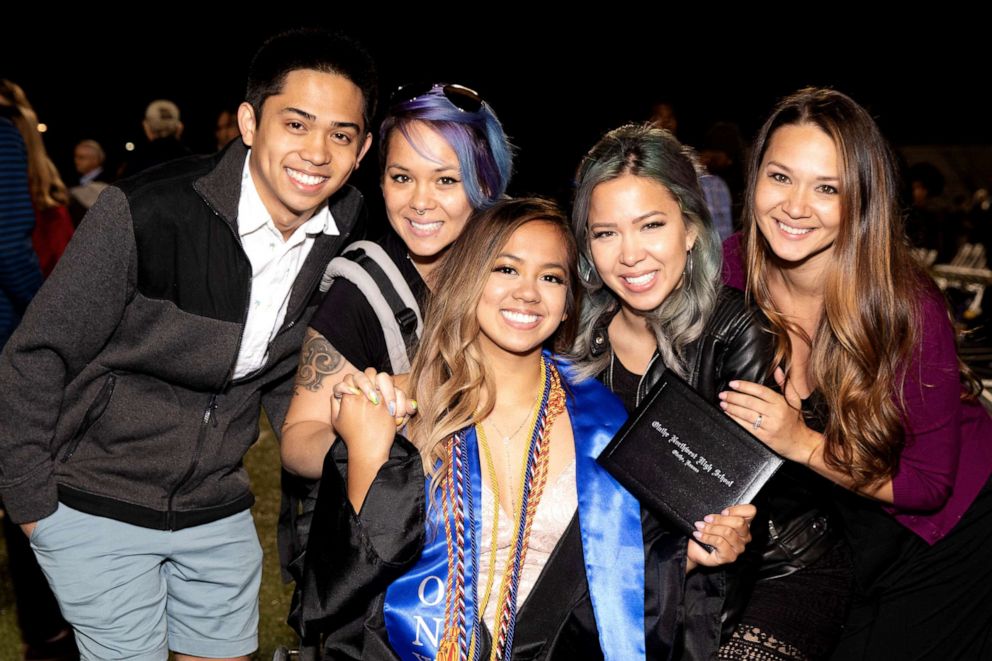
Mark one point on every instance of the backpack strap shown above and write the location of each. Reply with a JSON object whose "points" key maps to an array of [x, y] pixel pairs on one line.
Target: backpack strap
{"points": [[366, 265]]}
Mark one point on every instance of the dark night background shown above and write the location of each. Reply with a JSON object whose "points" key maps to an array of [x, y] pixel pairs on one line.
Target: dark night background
{"points": [[555, 88]]}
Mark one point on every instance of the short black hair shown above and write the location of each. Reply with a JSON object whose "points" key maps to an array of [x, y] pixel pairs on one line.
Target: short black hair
{"points": [[316, 49]]}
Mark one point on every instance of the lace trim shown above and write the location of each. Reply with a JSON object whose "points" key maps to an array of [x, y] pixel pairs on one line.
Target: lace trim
{"points": [[750, 642]]}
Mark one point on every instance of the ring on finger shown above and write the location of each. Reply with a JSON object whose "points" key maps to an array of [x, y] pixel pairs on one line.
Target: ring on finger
{"points": [[757, 422]]}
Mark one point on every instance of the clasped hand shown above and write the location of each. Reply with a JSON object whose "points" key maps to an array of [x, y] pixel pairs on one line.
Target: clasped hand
{"points": [[367, 408]]}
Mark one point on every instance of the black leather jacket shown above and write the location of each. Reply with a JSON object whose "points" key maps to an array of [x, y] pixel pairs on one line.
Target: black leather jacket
{"points": [[795, 523], [734, 345]]}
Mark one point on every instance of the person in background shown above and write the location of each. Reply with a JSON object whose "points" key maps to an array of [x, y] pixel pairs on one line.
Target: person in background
{"points": [[227, 127], [53, 224], [163, 131], [44, 632], [715, 190], [89, 159]]}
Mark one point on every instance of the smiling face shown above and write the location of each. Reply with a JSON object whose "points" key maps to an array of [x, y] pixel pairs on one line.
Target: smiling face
{"points": [[638, 238], [797, 200], [524, 299], [423, 192], [308, 141]]}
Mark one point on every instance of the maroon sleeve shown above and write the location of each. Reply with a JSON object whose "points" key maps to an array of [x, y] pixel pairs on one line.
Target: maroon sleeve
{"points": [[932, 397], [733, 262]]}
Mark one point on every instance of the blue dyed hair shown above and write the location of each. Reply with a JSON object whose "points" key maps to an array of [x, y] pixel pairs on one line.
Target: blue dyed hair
{"points": [[485, 156]]}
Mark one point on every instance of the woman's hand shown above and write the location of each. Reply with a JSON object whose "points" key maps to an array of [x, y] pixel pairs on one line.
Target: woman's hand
{"points": [[365, 409], [378, 387], [727, 532], [776, 420]]}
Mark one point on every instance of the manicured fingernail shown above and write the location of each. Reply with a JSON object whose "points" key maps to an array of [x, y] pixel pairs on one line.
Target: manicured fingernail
{"points": [[374, 398], [699, 525], [723, 405], [722, 395], [708, 518], [734, 384], [392, 408], [355, 391], [697, 534], [413, 404]]}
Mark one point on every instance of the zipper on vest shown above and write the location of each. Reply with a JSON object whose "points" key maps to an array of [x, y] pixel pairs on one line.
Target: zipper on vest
{"points": [[209, 413], [93, 414], [205, 423]]}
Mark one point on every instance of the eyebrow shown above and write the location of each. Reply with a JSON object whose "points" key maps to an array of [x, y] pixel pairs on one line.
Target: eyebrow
{"points": [[789, 170], [546, 265], [443, 168], [638, 219], [313, 118]]}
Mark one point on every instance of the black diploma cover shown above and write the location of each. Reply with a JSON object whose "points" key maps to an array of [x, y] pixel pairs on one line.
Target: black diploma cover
{"points": [[684, 458]]}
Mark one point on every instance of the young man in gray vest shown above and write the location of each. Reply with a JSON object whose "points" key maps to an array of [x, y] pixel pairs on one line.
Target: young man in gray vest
{"points": [[132, 389]]}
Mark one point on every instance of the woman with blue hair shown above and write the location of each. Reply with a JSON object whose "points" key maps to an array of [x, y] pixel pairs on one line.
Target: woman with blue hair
{"points": [[443, 154]]}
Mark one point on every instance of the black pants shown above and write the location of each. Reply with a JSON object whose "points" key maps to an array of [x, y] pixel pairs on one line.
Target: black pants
{"points": [[923, 602]]}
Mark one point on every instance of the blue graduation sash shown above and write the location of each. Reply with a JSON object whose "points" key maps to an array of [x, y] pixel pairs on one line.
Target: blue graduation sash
{"points": [[609, 522], [414, 605], [610, 527]]}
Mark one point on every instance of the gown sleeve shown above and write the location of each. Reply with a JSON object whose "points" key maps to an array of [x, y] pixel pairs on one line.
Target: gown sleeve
{"points": [[353, 557]]}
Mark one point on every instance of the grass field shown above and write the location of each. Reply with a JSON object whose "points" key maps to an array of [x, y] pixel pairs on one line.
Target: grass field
{"points": [[262, 462]]}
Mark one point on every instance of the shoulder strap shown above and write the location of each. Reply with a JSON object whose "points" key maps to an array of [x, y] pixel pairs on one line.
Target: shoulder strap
{"points": [[366, 265]]}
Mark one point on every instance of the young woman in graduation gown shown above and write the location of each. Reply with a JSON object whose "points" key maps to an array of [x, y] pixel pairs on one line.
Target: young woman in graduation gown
{"points": [[492, 532]]}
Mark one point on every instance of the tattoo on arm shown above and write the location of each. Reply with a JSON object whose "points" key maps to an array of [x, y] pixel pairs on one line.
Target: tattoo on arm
{"points": [[317, 360]]}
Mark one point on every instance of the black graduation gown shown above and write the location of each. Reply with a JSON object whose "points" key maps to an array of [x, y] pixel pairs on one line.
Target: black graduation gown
{"points": [[351, 560]]}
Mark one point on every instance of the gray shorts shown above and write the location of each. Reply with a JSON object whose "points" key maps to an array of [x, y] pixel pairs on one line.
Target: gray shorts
{"points": [[134, 593]]}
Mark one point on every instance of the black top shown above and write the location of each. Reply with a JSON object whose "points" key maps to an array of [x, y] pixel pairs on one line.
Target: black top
{"points": [[350, 324], [624, 383]]}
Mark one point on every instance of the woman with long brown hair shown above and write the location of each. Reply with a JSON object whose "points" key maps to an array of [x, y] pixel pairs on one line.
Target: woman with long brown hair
{"points": [[49, 195], [493, 532], [872, 393]]}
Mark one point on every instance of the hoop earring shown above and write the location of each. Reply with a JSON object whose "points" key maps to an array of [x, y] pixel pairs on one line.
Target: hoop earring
{"points": [[687, 272]]}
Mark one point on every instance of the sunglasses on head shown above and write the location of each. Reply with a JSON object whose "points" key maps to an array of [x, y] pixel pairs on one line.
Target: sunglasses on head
{"points": [[460, 96]]}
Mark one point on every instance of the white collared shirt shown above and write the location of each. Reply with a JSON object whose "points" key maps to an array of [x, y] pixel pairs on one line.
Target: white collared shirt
{"points": [[275, 263], [90, 176]]}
